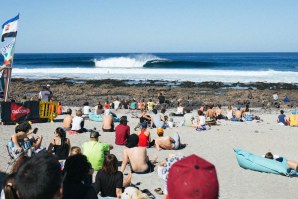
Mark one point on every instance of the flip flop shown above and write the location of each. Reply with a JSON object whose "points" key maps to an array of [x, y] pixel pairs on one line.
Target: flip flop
{"points": [[158, 191]]}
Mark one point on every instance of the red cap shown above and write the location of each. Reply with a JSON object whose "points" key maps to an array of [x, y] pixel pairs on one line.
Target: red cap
{"points": [[192, 177]]}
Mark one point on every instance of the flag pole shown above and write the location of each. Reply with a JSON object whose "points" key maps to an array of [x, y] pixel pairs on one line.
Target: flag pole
{"points": [[9, 70]]}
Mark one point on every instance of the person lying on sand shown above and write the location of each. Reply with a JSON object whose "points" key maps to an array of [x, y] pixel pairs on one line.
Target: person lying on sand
{"points": [[291, 163], [136, 157], [167, 142]]}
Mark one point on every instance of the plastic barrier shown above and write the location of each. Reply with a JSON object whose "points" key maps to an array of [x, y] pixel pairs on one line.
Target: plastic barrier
{"points": [[48, 110]]}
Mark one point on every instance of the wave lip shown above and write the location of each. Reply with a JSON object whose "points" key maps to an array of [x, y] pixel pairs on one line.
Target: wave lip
{"points": [[133, 61]]}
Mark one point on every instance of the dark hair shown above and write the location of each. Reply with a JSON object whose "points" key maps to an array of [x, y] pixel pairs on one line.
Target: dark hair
{"points": [[100, 106], [86, 104], [123, 121], [18, 163], [76, 168], [163, 110], [69, 111], [187, 110], [281, 111], [40, 177], [132, 141], [269, 155], [9, 187], [154, 111], [200, 112], [25, 127], [110, 164], [62, 134]]}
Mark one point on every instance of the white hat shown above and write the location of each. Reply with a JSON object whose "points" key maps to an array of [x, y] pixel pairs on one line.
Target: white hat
{"points": [[48, 85]]}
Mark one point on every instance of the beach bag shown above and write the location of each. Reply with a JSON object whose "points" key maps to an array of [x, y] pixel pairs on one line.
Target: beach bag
{"points": [[293, 120]]}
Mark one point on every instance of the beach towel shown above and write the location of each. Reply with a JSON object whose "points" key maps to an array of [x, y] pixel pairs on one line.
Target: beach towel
{"points": [[253, 162], [98, 118]]}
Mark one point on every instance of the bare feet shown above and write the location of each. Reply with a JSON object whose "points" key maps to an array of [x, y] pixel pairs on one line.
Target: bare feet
{"points": [[127, 180]]}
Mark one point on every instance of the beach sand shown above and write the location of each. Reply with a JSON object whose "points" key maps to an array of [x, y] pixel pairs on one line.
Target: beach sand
{"points": [[215, 145]]}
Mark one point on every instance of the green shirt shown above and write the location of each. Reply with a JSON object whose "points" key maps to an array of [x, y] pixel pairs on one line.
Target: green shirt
{"points": [[95, 153]]}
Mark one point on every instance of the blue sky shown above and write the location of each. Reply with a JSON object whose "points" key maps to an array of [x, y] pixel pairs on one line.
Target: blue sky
{"points": [[154, 25]]}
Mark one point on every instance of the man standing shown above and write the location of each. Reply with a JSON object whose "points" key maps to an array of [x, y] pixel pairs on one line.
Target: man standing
{"points": [[51, 93], [95, 151], [44, 94], [161, 98]]}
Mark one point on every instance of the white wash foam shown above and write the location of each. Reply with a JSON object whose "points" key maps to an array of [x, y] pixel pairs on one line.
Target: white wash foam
{"points": [[131, 61]]}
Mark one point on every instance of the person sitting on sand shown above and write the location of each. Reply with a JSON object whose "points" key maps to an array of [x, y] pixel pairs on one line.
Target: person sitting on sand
{"points": [[86, 109], [281, 120], [230, 112], [150, 105], [136, 157], [67, 121], [141, 105], [210, 113], [144, 135], [122, 131], [24, 140], [180, 110], [95, 150], [157, 120], [188, 118], [201, 122], [109, 181], [78, 122], [144, 117], [133, 105], [218, 112], [99, 109], [163, 114], [291, 163], [167, 142], [238, 114], [107, 121], [116, 103], [60, 145]]}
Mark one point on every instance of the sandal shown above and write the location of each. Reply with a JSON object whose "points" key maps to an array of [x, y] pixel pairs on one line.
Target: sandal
{"points": [[158, 191]]}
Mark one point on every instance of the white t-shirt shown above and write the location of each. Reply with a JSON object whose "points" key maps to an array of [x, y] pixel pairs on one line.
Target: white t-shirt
{"points": [[202, 119], [116, 104], [86, 110], [76, 123], [44, 96]]}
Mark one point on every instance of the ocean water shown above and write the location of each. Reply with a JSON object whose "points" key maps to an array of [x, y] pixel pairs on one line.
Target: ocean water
{"points": [[196, 67]]}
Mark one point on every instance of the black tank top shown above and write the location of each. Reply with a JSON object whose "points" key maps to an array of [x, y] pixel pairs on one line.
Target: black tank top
{"points": [[61, 152]]}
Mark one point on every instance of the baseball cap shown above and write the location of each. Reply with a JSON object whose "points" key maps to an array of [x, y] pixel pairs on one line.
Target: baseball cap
{"points": [[94, 134], [159, 131], [192, 177]]}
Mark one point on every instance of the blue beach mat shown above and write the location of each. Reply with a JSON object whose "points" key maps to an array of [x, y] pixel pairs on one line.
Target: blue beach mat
{"points": [[253, 162]]}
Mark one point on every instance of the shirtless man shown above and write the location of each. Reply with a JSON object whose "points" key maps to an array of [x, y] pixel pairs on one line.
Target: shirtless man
{"points": [[136, 156], [107, 122], [167, 142], [67, 122], [238, 113], [210, 112]]}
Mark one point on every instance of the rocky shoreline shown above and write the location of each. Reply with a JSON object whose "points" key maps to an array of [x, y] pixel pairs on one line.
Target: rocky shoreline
{"points": [[74, 92]]}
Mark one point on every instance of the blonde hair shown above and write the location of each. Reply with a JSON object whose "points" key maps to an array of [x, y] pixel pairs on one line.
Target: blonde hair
{"points": [[75, 150], [79, 113]]}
